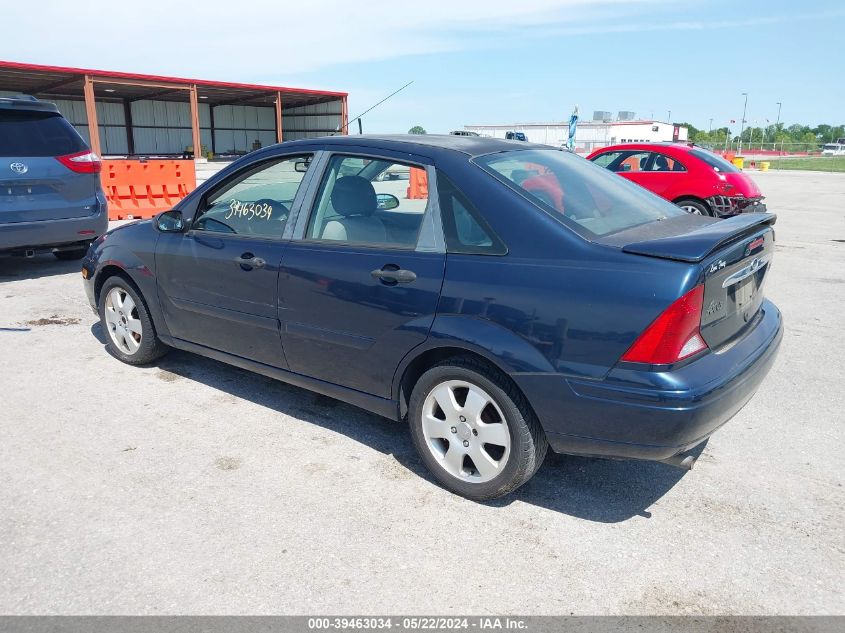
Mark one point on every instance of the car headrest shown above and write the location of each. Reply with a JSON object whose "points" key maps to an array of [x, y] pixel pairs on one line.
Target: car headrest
{"points": [[354, 195]]}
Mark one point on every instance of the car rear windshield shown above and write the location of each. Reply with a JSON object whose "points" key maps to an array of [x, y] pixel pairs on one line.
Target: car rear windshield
{"points": [[584, 196], [31, 134], [715, 161]]}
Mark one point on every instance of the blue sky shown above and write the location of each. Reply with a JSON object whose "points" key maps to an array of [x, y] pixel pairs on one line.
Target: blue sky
{"points": [[475, 61]]}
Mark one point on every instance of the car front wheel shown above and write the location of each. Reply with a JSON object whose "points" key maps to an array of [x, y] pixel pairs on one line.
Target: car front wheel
{"points": [[474, 430], [130, 335]]}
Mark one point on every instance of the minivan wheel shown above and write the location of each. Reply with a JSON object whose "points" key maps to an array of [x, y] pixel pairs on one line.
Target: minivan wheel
{"points": [[694, 207], [474, 430], [69, 255], [130, 334]]}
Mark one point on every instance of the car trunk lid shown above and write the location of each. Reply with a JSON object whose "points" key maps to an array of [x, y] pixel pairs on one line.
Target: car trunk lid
{"points": [[684, 238], [732, 256]]}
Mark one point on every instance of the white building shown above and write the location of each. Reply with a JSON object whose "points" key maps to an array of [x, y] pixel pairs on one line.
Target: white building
{"points": [[589, 135]]}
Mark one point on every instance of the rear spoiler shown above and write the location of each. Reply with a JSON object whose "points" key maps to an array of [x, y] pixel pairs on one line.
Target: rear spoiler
{"points": [[26, 102], [698, 244]]}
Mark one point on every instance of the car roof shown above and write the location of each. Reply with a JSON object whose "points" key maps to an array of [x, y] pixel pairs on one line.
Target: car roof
{"points": [[667, 147], [423, 143], [26, 102]]}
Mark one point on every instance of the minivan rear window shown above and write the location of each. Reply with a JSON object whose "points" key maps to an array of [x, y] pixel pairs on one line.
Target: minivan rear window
{"points": [[34, 134], [588, 198]]}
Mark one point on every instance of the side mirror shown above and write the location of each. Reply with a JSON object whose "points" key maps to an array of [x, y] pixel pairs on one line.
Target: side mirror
{"points": [[301, 166], [170, 222], [386, 201]]}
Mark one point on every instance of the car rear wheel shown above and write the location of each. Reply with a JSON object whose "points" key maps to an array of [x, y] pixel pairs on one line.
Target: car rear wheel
{"points": [[130, 334], [69, 255], [694, 207], [474, 430]]}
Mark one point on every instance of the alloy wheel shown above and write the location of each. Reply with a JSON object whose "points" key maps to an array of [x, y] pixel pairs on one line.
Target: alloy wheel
{"points": [[466, 431], [691, 209], [122, 321]]}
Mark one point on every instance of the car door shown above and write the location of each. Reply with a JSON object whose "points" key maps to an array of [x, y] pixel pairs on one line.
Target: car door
{"points": [[217, 282], [360, 282], [631, 165], [663, 175]]}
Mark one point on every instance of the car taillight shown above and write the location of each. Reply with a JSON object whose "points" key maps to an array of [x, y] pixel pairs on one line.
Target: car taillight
{"points": [[85, 162], [672, 336]]}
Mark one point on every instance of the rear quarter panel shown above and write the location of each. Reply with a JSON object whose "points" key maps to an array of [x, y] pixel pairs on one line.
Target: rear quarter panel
{"points": [[575, 304], [574, 315]]}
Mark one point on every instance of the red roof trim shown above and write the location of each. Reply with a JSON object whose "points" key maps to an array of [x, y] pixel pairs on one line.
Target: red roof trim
{"points": [[109, 74]]}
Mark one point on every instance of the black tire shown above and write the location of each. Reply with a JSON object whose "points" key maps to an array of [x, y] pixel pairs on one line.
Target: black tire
{"points": [[150, 348], [528, 443], [70, 255], [701, 208]]}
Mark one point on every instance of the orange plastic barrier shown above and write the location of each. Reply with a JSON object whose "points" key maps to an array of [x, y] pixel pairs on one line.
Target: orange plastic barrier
{"points": [[141, 189], [418, 185]]}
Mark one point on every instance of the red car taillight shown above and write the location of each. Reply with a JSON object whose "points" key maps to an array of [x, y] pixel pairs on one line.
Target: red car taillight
{"points": [[672, 336], [85, 162]]}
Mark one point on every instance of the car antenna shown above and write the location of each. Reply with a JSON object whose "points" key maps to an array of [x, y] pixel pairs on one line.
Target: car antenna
{"points": [[340, 128]]}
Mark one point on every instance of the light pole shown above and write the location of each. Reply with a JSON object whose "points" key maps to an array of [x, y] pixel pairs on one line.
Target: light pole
{"points": [[711, 127], [742, 124], [670, 116], [774, 136]]}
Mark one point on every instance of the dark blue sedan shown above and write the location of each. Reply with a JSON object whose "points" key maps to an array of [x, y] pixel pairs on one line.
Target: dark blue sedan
{"points": [[499, 296]]}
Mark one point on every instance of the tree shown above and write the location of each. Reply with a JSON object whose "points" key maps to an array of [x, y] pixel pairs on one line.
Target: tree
{"points": [[417, 129]]}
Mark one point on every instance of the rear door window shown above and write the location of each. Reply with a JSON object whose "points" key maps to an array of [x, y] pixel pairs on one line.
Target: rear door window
{"points": [[370, 201], [37, 134], [464, 228]]}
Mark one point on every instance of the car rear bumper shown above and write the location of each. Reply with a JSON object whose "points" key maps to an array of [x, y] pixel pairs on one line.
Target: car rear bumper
{"points": [[47, 235], [726, 206], [654, 415]]}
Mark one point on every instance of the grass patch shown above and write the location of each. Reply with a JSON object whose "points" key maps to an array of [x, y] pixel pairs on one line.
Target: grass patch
{"points": [[812, 163]]}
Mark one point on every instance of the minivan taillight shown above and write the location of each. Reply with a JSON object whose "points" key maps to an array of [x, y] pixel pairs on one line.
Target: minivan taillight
{"points": [[674, 335], [85, 162]]}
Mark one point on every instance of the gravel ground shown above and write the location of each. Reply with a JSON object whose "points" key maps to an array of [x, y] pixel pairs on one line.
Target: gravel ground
{"points": [[193, 487]]}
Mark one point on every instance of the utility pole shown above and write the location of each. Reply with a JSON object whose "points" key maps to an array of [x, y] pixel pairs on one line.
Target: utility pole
{"points": [[670, 116], [742, 124], [711, 126]]}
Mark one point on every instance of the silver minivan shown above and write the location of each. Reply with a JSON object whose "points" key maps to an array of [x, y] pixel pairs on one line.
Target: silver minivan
{"points": [[51, 199]]}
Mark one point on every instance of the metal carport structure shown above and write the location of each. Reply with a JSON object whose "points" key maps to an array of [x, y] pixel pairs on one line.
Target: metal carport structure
{"points": [[120, 112]]}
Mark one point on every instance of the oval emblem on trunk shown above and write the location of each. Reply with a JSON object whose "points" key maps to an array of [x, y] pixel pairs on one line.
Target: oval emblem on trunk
{"points": [[19, 168]]}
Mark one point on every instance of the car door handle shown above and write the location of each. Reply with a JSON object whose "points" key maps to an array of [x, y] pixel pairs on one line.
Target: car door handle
{"points": [[391, 274], [248, 261]]}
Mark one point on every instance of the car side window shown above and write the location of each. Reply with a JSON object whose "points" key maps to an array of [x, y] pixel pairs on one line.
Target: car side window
{"points": [[369, 201], [632, 161], [607, 159], [464, 228], [662, 162], [255, 203]]}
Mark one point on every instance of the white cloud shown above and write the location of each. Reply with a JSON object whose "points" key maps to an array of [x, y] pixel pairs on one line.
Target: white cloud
{"points": [[254, 40]]}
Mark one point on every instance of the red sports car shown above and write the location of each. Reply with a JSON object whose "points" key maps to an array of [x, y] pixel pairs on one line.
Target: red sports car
{"points": [[694, 178]]}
